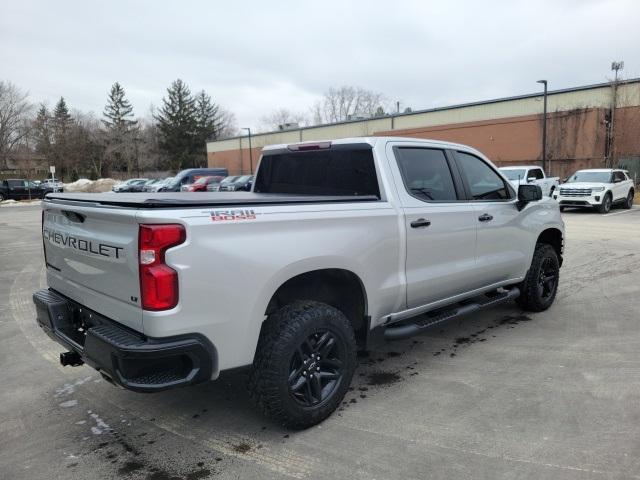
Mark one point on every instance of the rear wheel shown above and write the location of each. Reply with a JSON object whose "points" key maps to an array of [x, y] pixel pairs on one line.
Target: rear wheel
{"points": [[605, 206], [304, 363], [629, 201], [539, 288]]}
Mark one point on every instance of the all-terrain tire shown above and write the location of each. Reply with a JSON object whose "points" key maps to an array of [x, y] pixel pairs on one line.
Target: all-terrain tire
{"points": [[284, 337], [605, 206], [538, 290], [628, 203]]}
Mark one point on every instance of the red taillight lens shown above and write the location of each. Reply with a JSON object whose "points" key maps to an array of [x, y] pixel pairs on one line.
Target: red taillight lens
{"points": [[158, 281]]}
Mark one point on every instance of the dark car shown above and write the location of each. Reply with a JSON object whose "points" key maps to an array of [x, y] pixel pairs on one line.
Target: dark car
{"points": [[190, 176], [126, 186], [241, 183], [21, 189]]}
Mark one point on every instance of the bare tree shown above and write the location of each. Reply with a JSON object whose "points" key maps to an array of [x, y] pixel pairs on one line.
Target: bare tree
{"points": [[15, 112], [281, 116], [347, 102]]}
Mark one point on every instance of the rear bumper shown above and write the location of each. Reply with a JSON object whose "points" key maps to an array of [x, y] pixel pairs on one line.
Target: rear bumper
{"points": [[127, 358]]}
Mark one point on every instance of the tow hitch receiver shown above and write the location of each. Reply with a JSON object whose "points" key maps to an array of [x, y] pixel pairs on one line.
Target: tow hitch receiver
{"points": [[70, 359]]}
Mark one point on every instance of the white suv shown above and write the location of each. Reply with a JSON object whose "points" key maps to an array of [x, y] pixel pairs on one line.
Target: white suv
{"points": [[596, 188]]}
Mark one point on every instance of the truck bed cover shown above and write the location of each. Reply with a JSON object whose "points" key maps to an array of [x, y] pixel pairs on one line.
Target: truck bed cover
{"points": [[199, 199]]}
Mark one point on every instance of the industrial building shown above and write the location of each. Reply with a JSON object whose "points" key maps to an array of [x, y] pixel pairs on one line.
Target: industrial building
{"points": [[584, 130]]}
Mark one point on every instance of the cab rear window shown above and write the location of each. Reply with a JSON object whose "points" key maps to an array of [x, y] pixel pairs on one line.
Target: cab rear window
{"points": [[335, 171]]}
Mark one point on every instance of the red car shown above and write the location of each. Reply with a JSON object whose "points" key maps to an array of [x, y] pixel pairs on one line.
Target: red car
{"points": [[200, 185]]}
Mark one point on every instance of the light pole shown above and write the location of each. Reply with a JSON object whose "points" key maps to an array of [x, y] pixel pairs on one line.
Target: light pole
{"points": [[544, 128], [615, 67], [250, 152]]}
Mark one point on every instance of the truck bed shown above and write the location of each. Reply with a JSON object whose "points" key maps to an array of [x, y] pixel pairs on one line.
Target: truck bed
{"points": [[199, 199]]}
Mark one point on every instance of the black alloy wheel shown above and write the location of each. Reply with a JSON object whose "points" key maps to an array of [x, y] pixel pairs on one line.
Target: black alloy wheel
{"points": [[316, 368], [548, 279]]}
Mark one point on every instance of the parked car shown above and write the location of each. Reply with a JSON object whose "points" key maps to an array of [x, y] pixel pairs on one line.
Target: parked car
{"points": [[339, 246], [190, 176], [154, 187], [22, 189], [202, 184], [599, 188], [126, 185], [54, 184], [241, 183], [140, 186], [225, 181], [531, 174]]}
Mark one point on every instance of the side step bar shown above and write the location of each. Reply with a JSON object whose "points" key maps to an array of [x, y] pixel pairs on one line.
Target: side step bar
{"points": [[424, 321]]}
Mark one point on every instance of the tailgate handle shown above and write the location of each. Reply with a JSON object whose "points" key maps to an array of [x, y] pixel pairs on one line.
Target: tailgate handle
{"points": [[74, 216]]}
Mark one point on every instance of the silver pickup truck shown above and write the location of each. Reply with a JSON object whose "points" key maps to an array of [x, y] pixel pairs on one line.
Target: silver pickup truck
{"points": [[340, 245]]}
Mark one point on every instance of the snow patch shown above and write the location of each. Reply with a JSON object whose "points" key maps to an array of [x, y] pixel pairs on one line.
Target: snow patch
{"points": [[91, 186], [69, 388], [69, 403], [100, 427], [15, 203]]}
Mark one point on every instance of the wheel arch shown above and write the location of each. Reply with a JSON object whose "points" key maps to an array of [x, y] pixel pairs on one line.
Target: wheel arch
{"points": [[338, 287], [554, 237]]}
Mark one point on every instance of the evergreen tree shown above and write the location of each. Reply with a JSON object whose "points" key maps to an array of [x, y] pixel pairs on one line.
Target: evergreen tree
{"points": [[62, 123], [121, 129], [118, 112], [209, 123], [177, 126], [42, 133]]}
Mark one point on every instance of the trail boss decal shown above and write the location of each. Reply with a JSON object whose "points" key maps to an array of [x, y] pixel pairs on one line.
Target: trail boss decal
{"points": [[239, 214]]}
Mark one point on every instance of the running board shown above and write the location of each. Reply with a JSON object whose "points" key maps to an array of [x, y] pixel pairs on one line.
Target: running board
{"points": [[442, 315]]}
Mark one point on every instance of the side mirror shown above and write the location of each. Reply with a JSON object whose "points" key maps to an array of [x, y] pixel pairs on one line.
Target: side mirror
{"points": [[564, 180], [528, 193], [531, 179]]}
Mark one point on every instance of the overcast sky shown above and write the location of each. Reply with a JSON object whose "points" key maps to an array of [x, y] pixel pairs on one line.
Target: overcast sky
{"points": [[255, 56]]}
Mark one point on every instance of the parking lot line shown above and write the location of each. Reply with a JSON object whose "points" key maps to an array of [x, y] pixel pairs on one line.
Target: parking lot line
{"points": [[635, 207]]}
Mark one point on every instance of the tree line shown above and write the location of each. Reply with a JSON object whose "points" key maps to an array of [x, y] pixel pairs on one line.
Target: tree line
{"points": [[172, 137]]}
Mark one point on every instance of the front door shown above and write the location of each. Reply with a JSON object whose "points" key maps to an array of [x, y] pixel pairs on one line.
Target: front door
{"points": [[502, 242], [440, 225]]}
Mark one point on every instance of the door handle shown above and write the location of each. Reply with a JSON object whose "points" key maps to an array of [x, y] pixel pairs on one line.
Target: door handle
{"points": [[419, 223], [485, 217]]}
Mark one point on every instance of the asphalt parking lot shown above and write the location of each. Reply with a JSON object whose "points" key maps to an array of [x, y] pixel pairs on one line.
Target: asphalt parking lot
{"points": [[502, 394]]}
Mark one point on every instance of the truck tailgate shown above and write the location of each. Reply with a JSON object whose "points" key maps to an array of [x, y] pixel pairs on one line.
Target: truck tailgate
{"points": [[91, 254]]}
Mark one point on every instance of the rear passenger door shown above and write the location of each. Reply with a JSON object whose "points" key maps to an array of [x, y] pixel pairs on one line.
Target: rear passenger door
{"points": [[502, 242], [620, 186], [440, 225]]}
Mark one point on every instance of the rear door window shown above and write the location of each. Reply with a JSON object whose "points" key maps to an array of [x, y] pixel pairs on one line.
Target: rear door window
{"points": [[536, 173], [426, 173], [481, 180], [347, 170]]}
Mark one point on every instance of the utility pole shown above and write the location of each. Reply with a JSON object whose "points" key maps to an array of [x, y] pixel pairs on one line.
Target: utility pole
{"points": [[544, 129], [250, 152], [615, 67]]}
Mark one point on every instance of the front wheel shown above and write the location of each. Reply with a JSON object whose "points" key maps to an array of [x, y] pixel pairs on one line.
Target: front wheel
{"points": [[629, 201], [605, 206], [539, 288], [304, 363]]}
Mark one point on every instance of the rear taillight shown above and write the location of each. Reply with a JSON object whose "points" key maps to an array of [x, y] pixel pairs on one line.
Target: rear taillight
{"points": [[44, 248], [158, 281]]}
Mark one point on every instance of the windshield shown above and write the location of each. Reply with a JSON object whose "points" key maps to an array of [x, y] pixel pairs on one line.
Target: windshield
{"points": [[243, 178], [586, 176], [514, 173]]}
